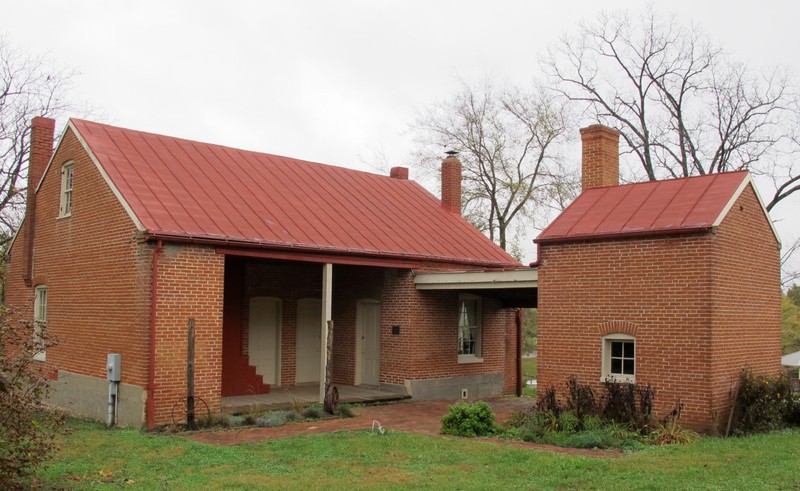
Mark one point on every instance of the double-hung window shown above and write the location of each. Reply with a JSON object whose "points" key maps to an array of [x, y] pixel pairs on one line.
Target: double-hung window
{"points": [[469, 329], [66, 190], [40, 323]]}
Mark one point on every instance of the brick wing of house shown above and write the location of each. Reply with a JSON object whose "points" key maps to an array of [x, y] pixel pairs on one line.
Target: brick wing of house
{"points": [[128, 235], [671, 283]]}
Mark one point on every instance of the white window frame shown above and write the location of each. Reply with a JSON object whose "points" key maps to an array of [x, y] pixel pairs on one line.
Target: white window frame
{"points": [[607, 374], [40, 323], [67, 178], [476, 325]]}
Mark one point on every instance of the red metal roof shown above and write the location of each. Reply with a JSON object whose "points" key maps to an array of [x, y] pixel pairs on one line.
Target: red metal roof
{"points": [[191, 190], [677, 205]]}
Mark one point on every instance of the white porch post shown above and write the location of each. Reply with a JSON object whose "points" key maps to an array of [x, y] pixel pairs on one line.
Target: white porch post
{"points": [[327, 301]]}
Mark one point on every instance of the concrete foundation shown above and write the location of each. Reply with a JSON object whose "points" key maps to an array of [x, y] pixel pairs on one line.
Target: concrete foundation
{"points": [[476, 386], [86, 396]]}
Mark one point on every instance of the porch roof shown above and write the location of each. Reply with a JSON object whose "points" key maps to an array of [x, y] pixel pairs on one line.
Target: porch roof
{"points": [[515, 288]]}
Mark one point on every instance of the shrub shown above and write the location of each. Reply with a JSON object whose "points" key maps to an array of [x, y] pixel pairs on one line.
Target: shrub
{"points": [[517, 419], [763, 403], [213, 421], [292, 415], [313, 412], [343, 411], [270, 420], [599, 438], [592, 423], [580, 399], [547, 402], [536, 427], [27, 429], [297, 405], [619, 402], [670, 433], [469, 419], [568, 422]]}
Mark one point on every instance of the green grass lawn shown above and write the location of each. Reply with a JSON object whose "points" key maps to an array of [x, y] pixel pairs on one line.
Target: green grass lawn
{"points": [[92, 455], [528, 368]]}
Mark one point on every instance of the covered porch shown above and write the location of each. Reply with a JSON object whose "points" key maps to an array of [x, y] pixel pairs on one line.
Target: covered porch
{"points": [[284, 397], [395, 331]]}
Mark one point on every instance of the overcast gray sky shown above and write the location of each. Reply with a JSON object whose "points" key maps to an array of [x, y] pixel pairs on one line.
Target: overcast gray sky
{"points": [[334, 82]]}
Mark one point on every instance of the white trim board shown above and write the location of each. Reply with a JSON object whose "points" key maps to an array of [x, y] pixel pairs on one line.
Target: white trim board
{"points": [[471, 280]]}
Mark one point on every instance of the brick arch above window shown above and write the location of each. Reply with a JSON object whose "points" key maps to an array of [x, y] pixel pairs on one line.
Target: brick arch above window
{"points": [[622, 327]]}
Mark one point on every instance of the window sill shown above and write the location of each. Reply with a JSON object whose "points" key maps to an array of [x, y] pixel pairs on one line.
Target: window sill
{"points": [[618, 379], [64, 216], [463, 359], [40, 357]]}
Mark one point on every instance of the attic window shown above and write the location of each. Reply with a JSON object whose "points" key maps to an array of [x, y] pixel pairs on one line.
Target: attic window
{"points": [[66, 190]]}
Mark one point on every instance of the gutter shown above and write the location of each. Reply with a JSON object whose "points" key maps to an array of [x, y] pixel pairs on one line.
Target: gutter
{"points": [[279, 246], [624, 235], [151, 376]]}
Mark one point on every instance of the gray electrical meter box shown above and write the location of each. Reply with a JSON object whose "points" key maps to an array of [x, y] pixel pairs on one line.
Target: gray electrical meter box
{"points": [[114, 367]]}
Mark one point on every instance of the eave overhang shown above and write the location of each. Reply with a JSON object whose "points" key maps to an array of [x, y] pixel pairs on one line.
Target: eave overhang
{"points": [[514, 288]]}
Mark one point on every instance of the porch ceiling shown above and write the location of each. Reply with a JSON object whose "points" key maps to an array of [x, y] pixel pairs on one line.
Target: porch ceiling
{"points": [[515, 288]]}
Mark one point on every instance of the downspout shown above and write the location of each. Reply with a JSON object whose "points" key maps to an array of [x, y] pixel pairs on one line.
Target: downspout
{"points": [[519, 352], [151, 381]]}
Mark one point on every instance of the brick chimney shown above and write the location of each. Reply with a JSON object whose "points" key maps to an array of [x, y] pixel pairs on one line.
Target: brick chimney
{"points": [[600, 156], [451, 183], [399, 173], [42, 135]]}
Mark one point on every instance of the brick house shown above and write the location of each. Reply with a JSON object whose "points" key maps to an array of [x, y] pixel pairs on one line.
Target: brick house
{"points": [[671, 283], [128, 235]]}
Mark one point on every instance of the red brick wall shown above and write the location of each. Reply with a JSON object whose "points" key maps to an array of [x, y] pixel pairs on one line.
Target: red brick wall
{"points": [[688, 299], [427, 346], [655, 289], [97, 274], [190, 285], [745, 327]]}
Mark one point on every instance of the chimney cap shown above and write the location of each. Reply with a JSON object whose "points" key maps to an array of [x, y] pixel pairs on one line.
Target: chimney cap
{"points": [[43, 122], [451, 153], [399, 173]]}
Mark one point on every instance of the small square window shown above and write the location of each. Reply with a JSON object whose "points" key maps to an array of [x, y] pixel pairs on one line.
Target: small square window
{"points": [[619, 358]]}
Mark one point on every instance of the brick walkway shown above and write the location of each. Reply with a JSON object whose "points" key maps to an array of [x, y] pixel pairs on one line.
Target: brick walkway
{"points": [[422, 418]]}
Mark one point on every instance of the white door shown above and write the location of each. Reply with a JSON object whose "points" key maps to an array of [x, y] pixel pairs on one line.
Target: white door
{"points": [[264, 338], [309, 332], [368, 346]]}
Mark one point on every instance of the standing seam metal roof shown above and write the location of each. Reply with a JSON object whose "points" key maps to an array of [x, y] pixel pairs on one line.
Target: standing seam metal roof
{"points": [[183, 188], [647, 208]]}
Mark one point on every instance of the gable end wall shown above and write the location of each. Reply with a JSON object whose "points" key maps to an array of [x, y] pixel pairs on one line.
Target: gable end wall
{"points": [[97, 276], [747, 314]]}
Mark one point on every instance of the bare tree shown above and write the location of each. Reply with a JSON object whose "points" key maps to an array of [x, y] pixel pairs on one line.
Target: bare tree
{"points": [[29, 86], [789, 275], [683, 107], [508, 143]]}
